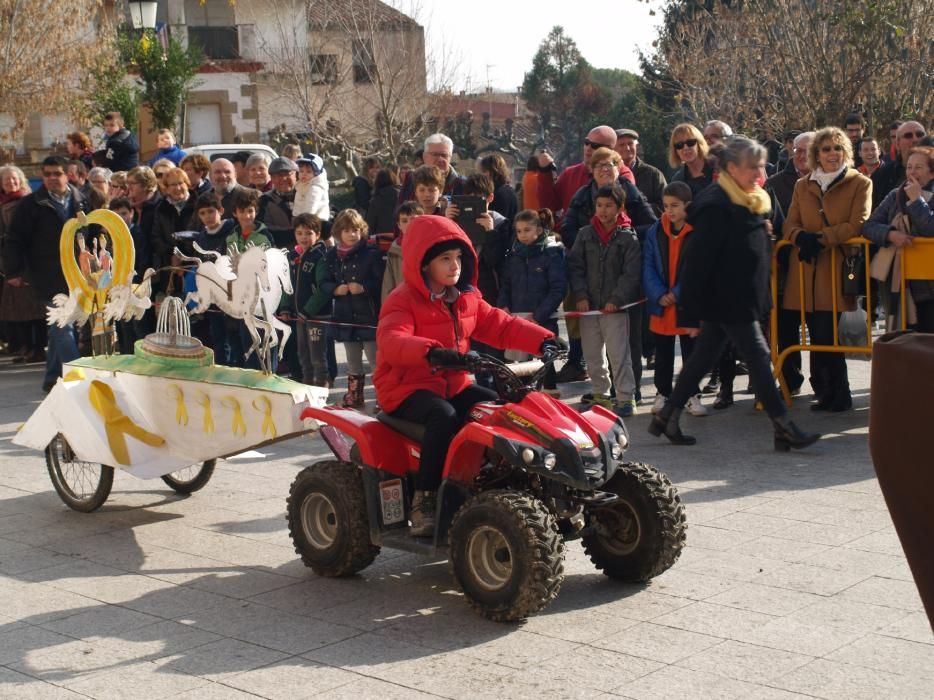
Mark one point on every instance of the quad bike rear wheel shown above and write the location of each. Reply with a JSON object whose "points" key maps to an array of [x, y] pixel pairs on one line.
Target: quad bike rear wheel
{"points": [[506, 554], [82, 486], [327, 516], [641, 534], [190, 479]]}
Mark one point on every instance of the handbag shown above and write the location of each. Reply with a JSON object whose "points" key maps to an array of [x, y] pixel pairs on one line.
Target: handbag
{"points": [[853, 266], [854, 273]]}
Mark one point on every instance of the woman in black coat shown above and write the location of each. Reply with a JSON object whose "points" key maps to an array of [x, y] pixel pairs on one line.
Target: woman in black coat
{"points": [[725, 290]]}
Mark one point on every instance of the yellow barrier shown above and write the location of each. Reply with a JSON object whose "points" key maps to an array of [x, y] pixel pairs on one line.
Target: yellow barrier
{"points": [[917, 264]]}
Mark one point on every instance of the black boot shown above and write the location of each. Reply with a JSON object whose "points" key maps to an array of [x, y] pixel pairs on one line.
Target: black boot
{"points": [[823, 390], [841, 399], [724, 397], [666, 422], [788, 435]]}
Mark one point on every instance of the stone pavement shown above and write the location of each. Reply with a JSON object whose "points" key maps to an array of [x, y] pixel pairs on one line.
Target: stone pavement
{"points": [[792, 584]]}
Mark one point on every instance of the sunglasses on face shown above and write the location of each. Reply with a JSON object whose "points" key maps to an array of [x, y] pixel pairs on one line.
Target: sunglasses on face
{"points": [[594, 144], [690, 143], [915, 134], [827, 149]]}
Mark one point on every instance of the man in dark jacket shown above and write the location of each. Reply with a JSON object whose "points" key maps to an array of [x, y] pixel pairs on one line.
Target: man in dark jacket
{"points": [[782, 184], [892, 174], [31, 255], [649, 180], [275, 206], [121, 149], [224, 181]]}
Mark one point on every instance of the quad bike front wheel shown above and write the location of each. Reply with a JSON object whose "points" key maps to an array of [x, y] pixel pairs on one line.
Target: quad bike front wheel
{"points": [[640, 534], [82, 486], [327, 516], [190, 479], [507, 554]]}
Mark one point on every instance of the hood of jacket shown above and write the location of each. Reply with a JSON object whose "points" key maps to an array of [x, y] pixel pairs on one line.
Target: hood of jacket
{"points": [[422, 234]]}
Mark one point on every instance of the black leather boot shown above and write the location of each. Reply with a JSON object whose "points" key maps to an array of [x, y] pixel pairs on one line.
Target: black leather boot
{"points": [[665, 422], [788, 435]]}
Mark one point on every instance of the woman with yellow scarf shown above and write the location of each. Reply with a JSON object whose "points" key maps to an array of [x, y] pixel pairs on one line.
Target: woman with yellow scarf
{"points": [[725, 290]]}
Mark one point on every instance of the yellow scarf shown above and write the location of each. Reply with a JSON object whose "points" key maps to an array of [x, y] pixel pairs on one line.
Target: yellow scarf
{"points": [[757, 201]]}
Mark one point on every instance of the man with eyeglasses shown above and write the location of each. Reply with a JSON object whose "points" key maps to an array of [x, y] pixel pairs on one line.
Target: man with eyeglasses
{"points": [[782, 184], [716, 131], [556, 193], [30, 253], [439, 150], [891, 175]]}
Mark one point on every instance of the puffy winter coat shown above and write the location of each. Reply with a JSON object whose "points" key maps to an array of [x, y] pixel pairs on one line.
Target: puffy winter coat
{"points": [[363, 265], [661, 261], [605, 274], [174, 154], [121, 151], [534, 283], [412, 322]]}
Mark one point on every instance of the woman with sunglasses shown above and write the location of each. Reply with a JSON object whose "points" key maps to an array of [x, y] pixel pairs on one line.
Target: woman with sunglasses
{"points": [[828, 207], [688, 151]]}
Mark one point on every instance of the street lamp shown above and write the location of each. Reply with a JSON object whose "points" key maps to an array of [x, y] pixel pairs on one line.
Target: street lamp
{"points": [[143, 14]]}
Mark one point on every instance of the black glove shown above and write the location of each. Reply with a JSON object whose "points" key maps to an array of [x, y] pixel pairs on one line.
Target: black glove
{"points": [[809, 246], [445, 357], [553, 345]]}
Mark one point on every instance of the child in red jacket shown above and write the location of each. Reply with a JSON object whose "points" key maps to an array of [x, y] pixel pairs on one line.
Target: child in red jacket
{"points": [[424, 326]]}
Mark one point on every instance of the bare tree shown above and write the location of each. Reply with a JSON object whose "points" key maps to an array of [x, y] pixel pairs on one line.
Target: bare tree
{"points": [[46, 46], [768, 64]]}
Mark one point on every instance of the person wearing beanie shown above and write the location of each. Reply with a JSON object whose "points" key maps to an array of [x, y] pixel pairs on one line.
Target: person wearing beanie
{"points": [[425, 325]]}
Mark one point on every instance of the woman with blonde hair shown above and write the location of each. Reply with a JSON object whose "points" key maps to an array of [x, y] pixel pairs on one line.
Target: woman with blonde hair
{"points": [[828, 207], [21, 313], [688, 151]]}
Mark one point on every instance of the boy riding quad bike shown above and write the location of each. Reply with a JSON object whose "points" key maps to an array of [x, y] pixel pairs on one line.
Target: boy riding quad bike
{"points": [[502, 479]]}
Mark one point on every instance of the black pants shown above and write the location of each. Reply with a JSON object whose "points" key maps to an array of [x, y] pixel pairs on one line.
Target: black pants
{"points": [[925, 316], [828, 369], [751, 346], [789, 321], [442, 419], [665, 360]]}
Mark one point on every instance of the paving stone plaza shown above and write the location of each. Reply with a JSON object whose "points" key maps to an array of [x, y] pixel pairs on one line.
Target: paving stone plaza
{"points": [[792, 584]]}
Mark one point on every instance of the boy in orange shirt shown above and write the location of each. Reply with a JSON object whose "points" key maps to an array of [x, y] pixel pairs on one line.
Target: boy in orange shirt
{"points": [[662, 263]]}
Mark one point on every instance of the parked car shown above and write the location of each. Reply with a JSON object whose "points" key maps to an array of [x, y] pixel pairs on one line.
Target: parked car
{"points": [[214, 151]]}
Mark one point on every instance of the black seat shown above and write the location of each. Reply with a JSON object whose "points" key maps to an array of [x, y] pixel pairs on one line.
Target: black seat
{"points": [[413, 431]]}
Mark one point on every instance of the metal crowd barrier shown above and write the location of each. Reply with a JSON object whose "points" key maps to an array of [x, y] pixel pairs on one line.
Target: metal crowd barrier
{"points": [[917, 264]]}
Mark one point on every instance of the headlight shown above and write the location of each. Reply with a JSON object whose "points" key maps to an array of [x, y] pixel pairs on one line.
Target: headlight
{"points": [[622, 440], [528, 455], [616, 452], [550, 461]]}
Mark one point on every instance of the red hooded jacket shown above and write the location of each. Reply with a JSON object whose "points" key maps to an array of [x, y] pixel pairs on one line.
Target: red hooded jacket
{"points": [[411, 323]]}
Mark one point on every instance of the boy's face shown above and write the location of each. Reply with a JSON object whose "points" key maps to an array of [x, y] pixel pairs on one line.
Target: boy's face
{"points": [[607, 210], [125, 214], [427, 196], [527, 232], [165, 141], [675, 208], [305, 173], [210, 217], [305, 237], [445, 270], [111, 127], [350, 236], [245, 217], [404, 221]]}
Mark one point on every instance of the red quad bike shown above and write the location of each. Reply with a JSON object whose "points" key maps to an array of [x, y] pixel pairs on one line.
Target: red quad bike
{"points": [[524, 475]]}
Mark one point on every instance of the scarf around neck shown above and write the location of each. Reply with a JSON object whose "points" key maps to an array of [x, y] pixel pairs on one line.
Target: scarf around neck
{"points": [[825, 180], [12, 196], [622, 221], [527, 250], [757, 201]]}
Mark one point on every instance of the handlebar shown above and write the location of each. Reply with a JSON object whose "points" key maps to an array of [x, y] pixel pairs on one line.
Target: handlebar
{"points": [[509, 385]]}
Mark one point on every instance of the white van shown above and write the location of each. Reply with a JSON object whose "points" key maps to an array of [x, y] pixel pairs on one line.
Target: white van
{"points": [[229, 150]]}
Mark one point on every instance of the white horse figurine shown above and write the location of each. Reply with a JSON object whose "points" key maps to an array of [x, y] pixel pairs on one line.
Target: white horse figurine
{"points": [[233, 285], [281, 282]]}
